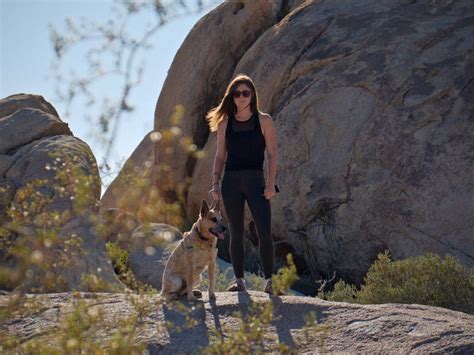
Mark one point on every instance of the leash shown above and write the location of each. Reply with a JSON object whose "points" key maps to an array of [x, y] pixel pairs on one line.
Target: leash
{"points": [[213, 203]]}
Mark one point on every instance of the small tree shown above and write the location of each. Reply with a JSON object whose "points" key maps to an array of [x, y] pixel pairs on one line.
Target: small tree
{"points": [[115, 52]]}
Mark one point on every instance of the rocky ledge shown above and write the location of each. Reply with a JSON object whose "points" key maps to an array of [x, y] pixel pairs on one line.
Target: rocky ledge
{"points": [[341, 326]]}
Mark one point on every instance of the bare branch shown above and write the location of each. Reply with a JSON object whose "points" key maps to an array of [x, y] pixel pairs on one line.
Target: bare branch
{"points": [[113, 51]]}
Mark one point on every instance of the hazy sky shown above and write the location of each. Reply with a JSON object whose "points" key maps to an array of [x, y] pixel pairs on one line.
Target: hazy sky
{"points": [[26, 55]]}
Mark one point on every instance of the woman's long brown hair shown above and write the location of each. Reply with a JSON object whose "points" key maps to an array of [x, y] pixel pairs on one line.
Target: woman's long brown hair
{"points": [[227, 106]]}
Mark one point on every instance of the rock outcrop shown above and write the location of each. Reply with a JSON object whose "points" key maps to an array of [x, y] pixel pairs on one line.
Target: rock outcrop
{"points": [[372, 103], [165, 329], [242, 25], [50, 187], [130, 190]]}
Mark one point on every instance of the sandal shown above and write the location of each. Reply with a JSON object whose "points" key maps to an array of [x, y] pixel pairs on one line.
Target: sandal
{"points": [[238, 285]]}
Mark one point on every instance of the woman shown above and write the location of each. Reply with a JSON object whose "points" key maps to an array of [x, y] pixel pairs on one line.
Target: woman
{"points": [[243, 135]]}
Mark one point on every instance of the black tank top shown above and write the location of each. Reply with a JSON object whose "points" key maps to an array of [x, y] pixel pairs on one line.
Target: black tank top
{"points": [[245, 144]]}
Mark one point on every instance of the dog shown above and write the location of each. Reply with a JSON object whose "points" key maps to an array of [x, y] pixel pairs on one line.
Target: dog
{"points": [[193, 254]]}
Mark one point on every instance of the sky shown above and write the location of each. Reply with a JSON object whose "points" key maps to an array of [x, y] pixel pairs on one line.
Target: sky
{"points": [[26, 56]]}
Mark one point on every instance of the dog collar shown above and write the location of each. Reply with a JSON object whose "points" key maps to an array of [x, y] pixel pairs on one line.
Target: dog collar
{"points": [[200, 235], [192, 246]]}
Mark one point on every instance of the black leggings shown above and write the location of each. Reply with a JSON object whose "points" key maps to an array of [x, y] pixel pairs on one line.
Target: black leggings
{"points": [[237, 187]]}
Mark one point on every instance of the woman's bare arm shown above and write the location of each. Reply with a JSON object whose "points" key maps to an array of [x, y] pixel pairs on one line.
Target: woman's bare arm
{"points": [[271, 148], [221, 153]]}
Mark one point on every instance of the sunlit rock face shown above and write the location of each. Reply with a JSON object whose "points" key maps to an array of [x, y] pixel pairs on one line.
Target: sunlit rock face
{"points": [[50, 188], [373, 107], [183, 327]]}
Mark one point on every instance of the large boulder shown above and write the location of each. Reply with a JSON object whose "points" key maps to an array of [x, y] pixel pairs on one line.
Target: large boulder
{"points": [[49, 204], [205, 61], [130, 189], [224, 35], [372, 103], [373, 109]]}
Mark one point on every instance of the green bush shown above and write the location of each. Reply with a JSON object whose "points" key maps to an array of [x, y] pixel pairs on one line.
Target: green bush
{"points": [[342, 292], [286, 276], [119, 259], [428, 279], [118, 256]]}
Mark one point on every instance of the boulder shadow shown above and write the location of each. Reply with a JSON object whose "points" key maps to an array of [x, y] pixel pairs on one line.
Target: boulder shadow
{"points": [[288, 316]]}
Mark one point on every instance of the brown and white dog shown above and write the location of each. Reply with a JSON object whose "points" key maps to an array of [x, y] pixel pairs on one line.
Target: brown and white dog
{"points": [[194, 253]]}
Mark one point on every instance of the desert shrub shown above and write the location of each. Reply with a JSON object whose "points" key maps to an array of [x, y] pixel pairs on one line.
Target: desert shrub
{"points": [[252, 333], [285, 277], [119, 259], [342, 292], [29, 234], [428, 279], [255, 282], [117, 256], [248, 337], [29, 237], [252, 336], [79, 331]]}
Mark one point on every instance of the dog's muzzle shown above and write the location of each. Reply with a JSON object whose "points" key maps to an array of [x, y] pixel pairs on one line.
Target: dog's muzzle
{"points": [[218, 232]]}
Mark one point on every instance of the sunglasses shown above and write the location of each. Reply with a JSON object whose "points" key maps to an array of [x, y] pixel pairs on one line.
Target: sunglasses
{"points": [[245, 93]]}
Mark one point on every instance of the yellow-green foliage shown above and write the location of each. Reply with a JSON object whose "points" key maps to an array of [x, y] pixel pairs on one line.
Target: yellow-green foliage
{"points": [[284, 279], [119, 259], [164, 204], [28, 215], [428, 279], [81, 330], [118, 256], [342, 292], [39, 250], [286, 276], [255, 282], [252, 332], [74, 184], [250, 335]]}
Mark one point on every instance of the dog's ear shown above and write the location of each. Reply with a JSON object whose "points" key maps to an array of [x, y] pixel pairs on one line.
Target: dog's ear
{"points": [[204, 209], [217, 207]]}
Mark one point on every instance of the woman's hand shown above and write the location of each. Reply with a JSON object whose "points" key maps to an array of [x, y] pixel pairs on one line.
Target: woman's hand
{"points": [[269, 191], [215, 192]]}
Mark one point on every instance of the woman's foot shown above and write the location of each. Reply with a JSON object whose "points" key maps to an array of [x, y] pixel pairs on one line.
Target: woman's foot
{"points": [[269, 288], [238, 285]]}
